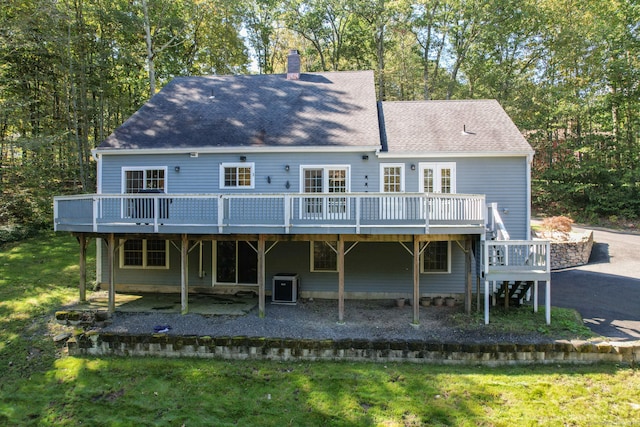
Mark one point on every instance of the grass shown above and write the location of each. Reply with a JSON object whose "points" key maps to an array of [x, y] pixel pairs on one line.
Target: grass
{"points": [[138, 391], [565, 323], [42, 387]]}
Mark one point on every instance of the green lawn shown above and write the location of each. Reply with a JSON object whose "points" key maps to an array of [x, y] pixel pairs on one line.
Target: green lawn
{"points": [[41, 387]]}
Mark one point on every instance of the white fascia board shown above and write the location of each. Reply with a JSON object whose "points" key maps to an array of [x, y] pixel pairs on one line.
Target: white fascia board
{"points": [[237, 150], [441, 154]]}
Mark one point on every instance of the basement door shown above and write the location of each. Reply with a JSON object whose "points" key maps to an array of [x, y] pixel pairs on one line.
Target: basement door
{"points": [[235, 262]]}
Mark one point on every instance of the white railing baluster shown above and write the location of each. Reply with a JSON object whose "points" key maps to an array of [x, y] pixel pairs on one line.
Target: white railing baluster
{"points": [[288, 211], [220, 214], [354, 211], [94, 204]]}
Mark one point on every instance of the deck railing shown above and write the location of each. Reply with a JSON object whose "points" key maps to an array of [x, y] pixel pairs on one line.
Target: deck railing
{"points": [[98, 212], [504, 256]]}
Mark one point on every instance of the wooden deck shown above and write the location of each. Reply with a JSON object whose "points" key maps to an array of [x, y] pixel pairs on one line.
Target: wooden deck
{"points": [[347, 213]]}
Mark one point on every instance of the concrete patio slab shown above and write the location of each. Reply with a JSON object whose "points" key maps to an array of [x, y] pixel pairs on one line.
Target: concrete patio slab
{"points": [[208, 305]]}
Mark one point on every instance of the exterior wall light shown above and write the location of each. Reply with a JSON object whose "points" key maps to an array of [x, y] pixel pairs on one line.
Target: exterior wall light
{"points": [[243, 158], [177, 168], [286, 168]]}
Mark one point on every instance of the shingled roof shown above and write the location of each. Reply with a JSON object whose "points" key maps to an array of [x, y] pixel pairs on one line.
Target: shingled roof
{"points": [[451, 127], [319, 109]]}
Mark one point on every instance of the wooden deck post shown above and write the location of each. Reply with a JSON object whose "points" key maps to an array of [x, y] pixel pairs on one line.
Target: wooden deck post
{"points": [[184, 276], [82, 239], [111, 248], [505, 284], [468, 287], [340, 279], [261, 275], [478, 305], [416, 280]]}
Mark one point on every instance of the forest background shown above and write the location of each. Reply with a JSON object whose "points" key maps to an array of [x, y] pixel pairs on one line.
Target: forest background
{"points": [[566, 71]]}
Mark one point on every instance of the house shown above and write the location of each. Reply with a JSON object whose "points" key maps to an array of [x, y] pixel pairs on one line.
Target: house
{"points": [[235, 183]]}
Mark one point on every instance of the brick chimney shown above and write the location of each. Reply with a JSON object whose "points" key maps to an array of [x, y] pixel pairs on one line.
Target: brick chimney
{"points": [[293, 65]]}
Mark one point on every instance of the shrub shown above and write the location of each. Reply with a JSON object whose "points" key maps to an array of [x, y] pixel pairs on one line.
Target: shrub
{"points": [[556, 228], [557, 223]]}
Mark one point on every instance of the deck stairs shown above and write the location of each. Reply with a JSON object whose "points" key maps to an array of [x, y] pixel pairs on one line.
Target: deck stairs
{"points": [[512, 293], [513, 269]]}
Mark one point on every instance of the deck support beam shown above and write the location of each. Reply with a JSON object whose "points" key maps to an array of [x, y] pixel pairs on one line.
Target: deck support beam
{"points": [[111, 249], [340, 279], [468, 296], [261, 275], [83, 241], [416, 281], [478, 305], [184, 274]]}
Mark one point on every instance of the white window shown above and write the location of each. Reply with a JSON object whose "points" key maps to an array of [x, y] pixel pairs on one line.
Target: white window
{"points": [[436, 257], [237, 175], [392, 178], [144, 179], [324, 257], [327, 180], [144, 254], [438, 177]]}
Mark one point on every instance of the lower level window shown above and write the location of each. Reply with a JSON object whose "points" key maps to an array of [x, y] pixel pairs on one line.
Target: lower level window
{"points": [[436, 257], [143, 253], [324, 257]]}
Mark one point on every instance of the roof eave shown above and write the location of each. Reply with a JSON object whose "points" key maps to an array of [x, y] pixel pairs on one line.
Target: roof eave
{"points": [[236, 149], [438, 154]]}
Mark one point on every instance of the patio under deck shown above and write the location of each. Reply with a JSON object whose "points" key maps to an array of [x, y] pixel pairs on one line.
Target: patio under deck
{"points": [[204, 304]]}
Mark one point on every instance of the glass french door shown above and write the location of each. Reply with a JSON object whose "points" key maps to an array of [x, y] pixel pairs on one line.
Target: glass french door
{"points": [[392, 181], [139, 181], [438, 178], [324, 180]]}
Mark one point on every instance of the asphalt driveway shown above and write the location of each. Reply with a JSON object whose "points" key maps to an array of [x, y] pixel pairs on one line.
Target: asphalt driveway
{"points": [[606, 292]]}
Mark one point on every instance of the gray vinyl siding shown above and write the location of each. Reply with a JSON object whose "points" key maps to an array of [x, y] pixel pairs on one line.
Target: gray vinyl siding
{"points": [[502, 180], [201, 175], [369, 267]]}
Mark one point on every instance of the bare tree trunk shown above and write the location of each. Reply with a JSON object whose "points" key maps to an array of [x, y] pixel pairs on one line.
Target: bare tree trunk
{"points": [[380, 43], [150, 53]]}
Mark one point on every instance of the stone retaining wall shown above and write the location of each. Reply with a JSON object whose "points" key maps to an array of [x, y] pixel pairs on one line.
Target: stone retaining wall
{"points": [[242, 348], [572, 253]]}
